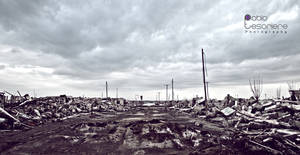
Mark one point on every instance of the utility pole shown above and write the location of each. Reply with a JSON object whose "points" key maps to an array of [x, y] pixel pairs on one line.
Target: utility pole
{"points": [[34, 94], [137, 97], [158, 96], [204, 82], [166, 91], [172, 90], [106, 85], [117, 93], [265, 95]]}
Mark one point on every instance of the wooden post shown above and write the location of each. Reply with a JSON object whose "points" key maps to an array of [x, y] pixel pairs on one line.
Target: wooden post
{"points": [[106, 85], [172, 90], [166, 92], [117, 93], [158, 96]]}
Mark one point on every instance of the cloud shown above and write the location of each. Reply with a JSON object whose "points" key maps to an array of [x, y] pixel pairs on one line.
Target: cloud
{"points": [[2, 67], [142, 44]]}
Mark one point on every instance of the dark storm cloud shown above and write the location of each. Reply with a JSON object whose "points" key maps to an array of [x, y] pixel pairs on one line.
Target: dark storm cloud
{"points": [[73, 30], [144, 43]]}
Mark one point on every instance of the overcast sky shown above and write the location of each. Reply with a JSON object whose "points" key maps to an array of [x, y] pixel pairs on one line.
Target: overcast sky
{"points": [[72, 47]]}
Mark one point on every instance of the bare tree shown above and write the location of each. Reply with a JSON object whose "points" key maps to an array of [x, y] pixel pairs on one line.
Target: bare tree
{"points": [[278, 92], [291, 85], [256, 87]]}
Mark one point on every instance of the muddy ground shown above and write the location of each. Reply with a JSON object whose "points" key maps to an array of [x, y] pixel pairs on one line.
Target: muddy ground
{"points": [[142, 130]]}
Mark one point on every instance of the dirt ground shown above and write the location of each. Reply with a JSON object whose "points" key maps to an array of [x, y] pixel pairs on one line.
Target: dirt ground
{"points": [[142, 130]]}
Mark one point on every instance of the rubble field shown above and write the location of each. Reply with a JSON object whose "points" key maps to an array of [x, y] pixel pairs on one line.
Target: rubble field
{"points": [[95, 126]]}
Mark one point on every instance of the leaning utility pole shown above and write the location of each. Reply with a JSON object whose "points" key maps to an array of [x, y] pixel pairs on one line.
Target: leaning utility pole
{"points": [[166, 91], [106, 85], [203, 70], [172, 90]]}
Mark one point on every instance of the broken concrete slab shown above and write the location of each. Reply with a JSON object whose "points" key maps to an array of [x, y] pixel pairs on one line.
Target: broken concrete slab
{"points": [[228, 111]]}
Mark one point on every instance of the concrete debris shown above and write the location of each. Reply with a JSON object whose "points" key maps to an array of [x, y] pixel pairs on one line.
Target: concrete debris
{"points": [[268, 126], [228, 111], [37, 111], [230, 126]]}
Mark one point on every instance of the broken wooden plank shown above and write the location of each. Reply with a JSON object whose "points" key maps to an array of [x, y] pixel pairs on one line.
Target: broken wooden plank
{"points": [[20, 94], [289, 142], [266, 147], [286, 131], [8, 115], [25, 102], [8, 93]]}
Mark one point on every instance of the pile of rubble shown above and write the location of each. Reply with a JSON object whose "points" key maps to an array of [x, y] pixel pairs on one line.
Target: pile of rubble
{"points": [[30, 112], [270, 126], [232, 125]]}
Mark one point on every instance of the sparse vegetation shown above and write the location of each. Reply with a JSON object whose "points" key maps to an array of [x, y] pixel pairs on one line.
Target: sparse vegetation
{"points": [[256, 87]]}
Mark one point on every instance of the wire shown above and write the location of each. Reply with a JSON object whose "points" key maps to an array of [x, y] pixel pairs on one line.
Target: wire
{"points": [[205, 64]]}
